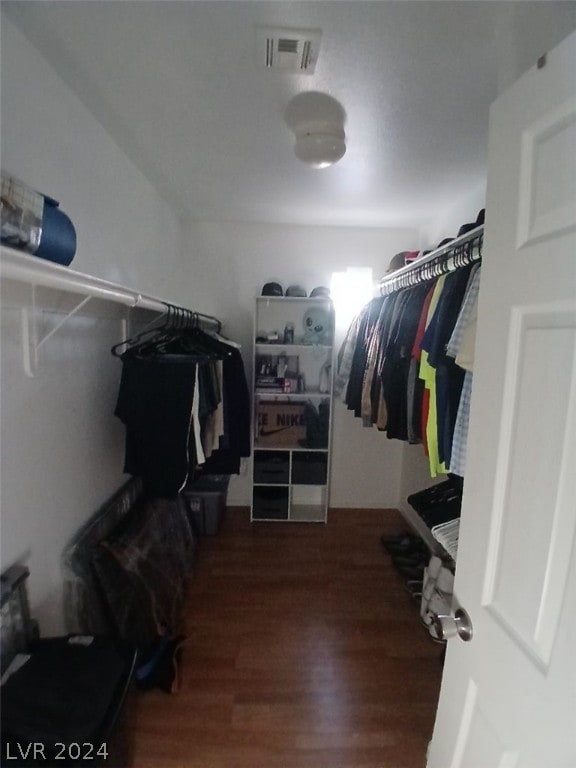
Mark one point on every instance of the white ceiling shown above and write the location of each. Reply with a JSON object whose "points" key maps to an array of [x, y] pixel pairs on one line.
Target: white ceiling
{"points": [[179, 87]]}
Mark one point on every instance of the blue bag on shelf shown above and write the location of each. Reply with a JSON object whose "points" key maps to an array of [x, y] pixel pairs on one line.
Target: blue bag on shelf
{"points": [[58, 238], [33, 222]]}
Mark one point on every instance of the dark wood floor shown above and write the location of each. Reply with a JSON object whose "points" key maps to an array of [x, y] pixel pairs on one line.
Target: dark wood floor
{"points": [[304, 651]]}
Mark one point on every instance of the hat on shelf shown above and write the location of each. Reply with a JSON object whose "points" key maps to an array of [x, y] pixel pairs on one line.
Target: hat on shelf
{"points": [[473, 224], [397, 261], [320, 290], [272, 289], [465, 228], [295, 290]]}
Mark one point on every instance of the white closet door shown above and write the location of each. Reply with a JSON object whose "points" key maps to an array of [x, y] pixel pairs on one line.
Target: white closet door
{"points": [[508, 696]]}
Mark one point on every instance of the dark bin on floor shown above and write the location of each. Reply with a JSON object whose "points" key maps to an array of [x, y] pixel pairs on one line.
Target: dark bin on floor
{"points": [[205, 501]]}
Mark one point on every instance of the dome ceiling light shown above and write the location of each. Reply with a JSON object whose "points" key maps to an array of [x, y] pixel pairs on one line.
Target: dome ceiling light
{"points": [[317, 121], [319, 143]]}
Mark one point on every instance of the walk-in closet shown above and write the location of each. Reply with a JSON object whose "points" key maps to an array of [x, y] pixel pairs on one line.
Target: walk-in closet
{"points": [[288, 376]]}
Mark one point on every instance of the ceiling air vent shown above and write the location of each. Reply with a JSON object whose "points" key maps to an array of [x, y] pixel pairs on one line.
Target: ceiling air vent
{"points": [[289, 50]]}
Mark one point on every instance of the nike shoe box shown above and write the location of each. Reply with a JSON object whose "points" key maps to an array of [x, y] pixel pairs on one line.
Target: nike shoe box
{"points": [[280, 424]]}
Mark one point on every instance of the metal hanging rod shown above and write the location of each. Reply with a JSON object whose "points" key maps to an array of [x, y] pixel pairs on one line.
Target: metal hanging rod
{"points": [[461, 251], [181, 319]]}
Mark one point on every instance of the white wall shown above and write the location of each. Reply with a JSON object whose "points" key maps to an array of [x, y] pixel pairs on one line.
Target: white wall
{"points": [[62, 448], [464, 211], [366, 466]]}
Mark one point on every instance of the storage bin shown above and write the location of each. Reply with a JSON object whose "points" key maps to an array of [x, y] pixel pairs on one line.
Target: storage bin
{"points": [[271, 467], [205, 501], [270, 503], [309, 468]]}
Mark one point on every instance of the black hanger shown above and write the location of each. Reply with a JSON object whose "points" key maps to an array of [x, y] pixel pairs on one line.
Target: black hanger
{"points": [[141, 337]]}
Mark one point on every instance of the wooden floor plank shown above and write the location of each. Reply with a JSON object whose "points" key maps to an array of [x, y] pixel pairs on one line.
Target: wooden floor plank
{"points": [[303, 651]]}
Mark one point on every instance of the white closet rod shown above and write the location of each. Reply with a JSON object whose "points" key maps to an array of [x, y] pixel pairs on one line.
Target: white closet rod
{"points": [[22, 267], [433, 256]]}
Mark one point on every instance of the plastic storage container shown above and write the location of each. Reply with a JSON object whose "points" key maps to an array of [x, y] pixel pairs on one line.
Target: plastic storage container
{"points": [[205, 501]]}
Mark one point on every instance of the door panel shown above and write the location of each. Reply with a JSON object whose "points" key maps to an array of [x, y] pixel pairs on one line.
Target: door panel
{"points": [[547, 195], [530, 513], [479, 743]]}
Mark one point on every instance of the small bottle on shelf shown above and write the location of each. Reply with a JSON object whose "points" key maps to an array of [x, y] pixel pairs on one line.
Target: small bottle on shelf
{"points": [[289, 333]]}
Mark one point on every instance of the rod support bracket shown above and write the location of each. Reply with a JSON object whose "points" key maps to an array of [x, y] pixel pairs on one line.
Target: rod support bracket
{"points": [[30, 320]]}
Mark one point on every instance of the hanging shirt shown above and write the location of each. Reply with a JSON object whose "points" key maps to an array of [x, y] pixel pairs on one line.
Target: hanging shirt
{"points": [[449, 377], [428, 375], [368, 319], [416, 391], [397, 361], [460, 439], [235, 443], [345, 356], [372, 387], [461, 343], [200, 458], [155, 403], [461, 337]]}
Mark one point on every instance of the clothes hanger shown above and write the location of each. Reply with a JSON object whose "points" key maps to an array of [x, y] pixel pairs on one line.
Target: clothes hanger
{"points": [[223, 339], [199, 338], [133, 341]]}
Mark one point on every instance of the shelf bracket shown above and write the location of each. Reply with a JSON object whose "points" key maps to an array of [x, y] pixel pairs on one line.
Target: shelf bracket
{"points": [[31, 343]]}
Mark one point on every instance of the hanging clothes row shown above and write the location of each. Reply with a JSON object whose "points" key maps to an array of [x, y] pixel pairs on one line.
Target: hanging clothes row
{"points": [[406, 362], [185, 403]]}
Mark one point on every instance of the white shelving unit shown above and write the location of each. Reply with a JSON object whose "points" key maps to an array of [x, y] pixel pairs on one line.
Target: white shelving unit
{"points": [[292, 386]]}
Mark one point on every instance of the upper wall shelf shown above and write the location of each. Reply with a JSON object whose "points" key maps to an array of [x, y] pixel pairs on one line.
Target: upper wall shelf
{"points": [[36, 272], [24, 268]]}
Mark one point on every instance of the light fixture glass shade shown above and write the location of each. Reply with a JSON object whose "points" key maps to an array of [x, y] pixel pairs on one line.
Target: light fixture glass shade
{"points": [[320, 150], [317, 121]]}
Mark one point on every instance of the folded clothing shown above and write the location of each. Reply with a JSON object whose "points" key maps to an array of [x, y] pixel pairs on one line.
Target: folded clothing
{"points": [[438, 504]]}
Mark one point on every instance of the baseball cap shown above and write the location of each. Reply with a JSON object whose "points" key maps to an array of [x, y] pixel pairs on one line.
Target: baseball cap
{"points": [[320, 290], [272, 289], [295, 290], [397, 261]]}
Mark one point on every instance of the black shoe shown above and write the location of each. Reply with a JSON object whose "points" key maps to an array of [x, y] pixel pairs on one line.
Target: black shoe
{"points": [[403, 540], [411, 547], [410, 561], [415, 573], [414, 588]]}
